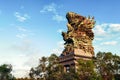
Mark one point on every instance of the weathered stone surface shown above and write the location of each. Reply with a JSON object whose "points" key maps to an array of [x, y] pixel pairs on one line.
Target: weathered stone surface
{"points": [[79, 34]]}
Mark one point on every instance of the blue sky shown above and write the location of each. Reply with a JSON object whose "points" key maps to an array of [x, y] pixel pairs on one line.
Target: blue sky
{"points": [[30, 29]]}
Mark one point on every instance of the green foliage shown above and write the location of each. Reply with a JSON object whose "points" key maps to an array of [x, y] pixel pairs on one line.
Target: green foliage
{"points": [[5, 72], [101, 68], [48, 69], [106, 64], [86, 70], [39, 71], [5, 68]]}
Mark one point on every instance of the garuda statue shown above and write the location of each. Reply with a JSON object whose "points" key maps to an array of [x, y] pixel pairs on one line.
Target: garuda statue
{"points": [[79, 34]]}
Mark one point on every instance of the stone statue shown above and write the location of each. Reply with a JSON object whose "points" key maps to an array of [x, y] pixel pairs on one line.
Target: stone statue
{"points": [[79, 34]]}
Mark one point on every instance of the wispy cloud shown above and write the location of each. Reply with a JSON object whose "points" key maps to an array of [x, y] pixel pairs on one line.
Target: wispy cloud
{"points": [[24, 46], [52, 8], [23, 32], [114, 27], [99, 30], [98, 39], [109, 43], [21, 36], [21, 29], [58, 18], [21, 17], [49, 8]]}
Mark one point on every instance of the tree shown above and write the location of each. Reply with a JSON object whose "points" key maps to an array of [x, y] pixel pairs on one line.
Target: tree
{"points": [[85, 69], [55, 70], [5, 72], [71, 75], [41, 70], [107, 64], [48, 69]]}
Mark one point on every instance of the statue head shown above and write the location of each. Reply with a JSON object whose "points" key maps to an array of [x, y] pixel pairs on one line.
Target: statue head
{"points": [[74, 17]]}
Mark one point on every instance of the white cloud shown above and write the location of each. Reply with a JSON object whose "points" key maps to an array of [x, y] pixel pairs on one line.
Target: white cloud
{"points": [[98, 39], [21, 17], [16, 61], [23, 57], [58, 18], [21, 36], [21, 73], [22, 32], [28, 61], [109, 43], [53, 9], [114, 27], [107, 31], [106, 28], [23, 46], [21, 63], [19, 69], [49, 8], [22, 29], [99, 31], [33, 59]]}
